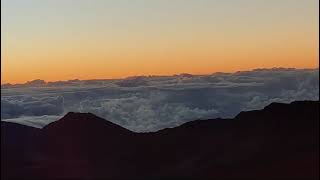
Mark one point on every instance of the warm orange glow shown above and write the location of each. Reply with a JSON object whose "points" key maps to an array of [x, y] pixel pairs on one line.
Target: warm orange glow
{"points": [[71, 61], [161, 46]]}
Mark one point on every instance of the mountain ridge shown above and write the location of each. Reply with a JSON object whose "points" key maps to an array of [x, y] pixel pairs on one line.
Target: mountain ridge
{"points": [[281, 140]]}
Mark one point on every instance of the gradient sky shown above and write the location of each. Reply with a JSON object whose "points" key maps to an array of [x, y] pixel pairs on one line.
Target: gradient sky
{"points": [[94, 39]]}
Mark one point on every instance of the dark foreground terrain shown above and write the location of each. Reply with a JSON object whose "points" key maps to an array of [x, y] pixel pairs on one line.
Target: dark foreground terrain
{"points": [[279, 142]]}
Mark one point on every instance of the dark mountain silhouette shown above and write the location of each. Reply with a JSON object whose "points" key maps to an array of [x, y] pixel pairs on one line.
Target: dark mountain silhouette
{"points": [[280, 141], [18, 148]]}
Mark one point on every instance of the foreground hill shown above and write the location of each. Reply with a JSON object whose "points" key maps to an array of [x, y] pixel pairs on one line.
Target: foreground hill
{"points": [[280, 141]]}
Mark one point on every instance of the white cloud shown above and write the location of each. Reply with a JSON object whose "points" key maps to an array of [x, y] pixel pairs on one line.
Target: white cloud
{"points": [[149, 103], [13, 107], [34, 121]]}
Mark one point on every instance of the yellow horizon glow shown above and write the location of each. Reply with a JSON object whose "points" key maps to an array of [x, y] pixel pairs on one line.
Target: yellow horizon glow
{"points": [[53, 63], [118, 47]]}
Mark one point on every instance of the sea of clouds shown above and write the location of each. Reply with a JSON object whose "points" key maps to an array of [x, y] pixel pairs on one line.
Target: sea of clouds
{"points": [[150, 103]]}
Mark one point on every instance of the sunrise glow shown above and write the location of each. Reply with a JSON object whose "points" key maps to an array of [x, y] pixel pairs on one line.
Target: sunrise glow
{"points": [[61, 40]]}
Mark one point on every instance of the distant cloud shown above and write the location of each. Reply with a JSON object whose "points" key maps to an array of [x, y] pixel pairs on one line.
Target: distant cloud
{"points": [[14, 107], [149, 103], [34, 121]]}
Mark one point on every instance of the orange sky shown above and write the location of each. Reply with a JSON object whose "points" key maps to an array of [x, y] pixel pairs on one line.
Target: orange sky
{"points": [[160, 41]]}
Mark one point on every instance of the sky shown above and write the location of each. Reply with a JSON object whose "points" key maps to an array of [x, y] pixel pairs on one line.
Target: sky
{"points": [[94, 39]]}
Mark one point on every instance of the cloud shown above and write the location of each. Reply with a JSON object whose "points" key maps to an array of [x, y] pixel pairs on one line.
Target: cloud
{"points": [[14, 107], [148, 113], [34, 121], [150, 103]]}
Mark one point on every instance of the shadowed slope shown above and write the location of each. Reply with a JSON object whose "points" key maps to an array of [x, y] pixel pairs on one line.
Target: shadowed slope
{"points": [[280, 141], [18, 148]]}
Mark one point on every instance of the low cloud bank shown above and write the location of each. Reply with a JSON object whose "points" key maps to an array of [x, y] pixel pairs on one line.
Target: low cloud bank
{"points": [[150, 103]]}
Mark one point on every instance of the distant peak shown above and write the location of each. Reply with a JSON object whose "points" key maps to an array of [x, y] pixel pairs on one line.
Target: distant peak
{"points": [[78, 120], [79, 115], [277, 105]]}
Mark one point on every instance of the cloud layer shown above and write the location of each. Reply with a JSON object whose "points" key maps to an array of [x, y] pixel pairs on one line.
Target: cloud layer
{"points": [[150, 103]]}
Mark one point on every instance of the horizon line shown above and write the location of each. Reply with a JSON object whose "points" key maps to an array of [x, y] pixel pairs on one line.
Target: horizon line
{"points": [[155, 75]]}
